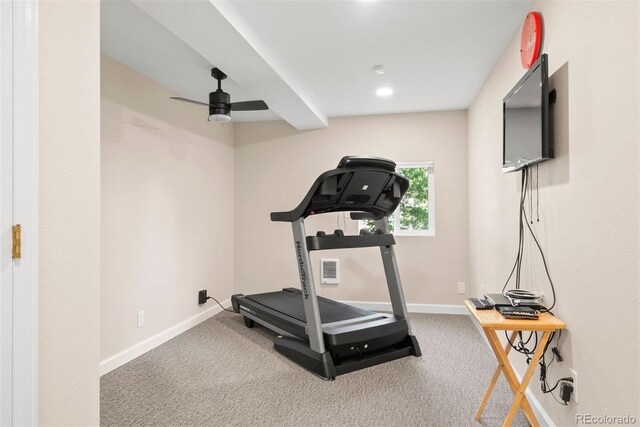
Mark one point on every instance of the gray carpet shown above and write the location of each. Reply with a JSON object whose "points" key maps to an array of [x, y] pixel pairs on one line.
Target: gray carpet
{"points": [[221, 373]]}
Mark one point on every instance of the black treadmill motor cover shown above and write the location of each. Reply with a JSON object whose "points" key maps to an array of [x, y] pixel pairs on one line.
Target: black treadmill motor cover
{"points": [[359, 184]]}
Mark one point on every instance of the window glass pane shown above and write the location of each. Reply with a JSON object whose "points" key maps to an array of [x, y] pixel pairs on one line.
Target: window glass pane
{"points": [[371, 225], [414, 207]]}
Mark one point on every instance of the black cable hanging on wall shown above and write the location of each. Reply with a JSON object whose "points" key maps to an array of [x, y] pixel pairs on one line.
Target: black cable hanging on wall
{"points": [[521, 346], [526, 187]]}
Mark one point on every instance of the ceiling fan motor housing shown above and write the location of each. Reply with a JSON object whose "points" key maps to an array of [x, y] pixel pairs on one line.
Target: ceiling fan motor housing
{"points": [[219, 103]]}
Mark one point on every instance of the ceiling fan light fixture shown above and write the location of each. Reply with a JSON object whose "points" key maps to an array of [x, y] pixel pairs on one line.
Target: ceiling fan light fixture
{"points": [[222, 118], [220, 105]]}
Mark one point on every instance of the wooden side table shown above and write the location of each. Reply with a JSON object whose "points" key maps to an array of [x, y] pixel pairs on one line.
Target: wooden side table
{"points": [[491, 321]]}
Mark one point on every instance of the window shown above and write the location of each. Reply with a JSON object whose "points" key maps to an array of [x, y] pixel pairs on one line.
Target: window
{"points": [[415, 216]]}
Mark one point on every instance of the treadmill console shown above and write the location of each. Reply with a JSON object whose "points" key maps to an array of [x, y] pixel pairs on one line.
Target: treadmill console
{"points": [[367, 161], [367, 185]]}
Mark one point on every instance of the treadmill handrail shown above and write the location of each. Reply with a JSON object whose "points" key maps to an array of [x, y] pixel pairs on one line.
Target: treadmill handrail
{"points": [[369, 185], [320, 243]]}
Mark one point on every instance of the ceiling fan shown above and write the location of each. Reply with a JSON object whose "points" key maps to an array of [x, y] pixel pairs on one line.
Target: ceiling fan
{"points": [[220, 105]]}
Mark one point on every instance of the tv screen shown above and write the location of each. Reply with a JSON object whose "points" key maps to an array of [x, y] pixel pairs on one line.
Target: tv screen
{"points": [[526, 133]]}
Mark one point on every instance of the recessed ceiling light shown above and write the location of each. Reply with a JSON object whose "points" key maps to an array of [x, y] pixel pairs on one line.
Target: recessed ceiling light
{"points": [[378, 69], [384, 91]]}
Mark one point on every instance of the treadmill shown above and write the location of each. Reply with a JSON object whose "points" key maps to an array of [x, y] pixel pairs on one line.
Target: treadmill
{"points": [[327, 337]]}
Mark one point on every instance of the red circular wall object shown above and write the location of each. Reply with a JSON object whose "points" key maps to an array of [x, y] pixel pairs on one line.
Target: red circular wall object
{"points": [[531, 39]]}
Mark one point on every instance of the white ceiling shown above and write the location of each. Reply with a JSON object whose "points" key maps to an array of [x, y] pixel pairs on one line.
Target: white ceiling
{"points": [[312, 59]]}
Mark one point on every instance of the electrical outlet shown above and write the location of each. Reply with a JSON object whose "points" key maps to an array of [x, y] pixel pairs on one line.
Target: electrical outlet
{"points": [[202, 297], [574, 375], [140, 319], [462, 288]]}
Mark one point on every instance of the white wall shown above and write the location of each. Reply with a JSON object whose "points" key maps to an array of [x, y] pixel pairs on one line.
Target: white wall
{"points": [[275, 167], [167, 208], [589, 205], [69, 212]]}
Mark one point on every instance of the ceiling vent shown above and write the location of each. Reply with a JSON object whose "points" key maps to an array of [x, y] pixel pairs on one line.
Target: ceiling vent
{"points": [[329, 271]]}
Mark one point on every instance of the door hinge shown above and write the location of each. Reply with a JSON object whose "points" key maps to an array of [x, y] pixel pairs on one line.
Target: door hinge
{"points": [[16, 251]]}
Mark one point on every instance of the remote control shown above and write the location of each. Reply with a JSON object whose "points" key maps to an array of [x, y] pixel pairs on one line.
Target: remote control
{"points": [[488, 305], [479, 304]]}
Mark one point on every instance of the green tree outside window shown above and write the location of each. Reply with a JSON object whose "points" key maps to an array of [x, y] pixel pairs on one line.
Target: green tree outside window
{"points": [[413, 211]]}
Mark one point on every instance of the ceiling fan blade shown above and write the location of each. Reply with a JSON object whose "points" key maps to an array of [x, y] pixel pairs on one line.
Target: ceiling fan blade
{"points": [[177, 98], [249, 106]]}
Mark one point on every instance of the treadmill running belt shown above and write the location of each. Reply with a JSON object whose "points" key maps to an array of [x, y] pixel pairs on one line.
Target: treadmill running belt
{"points": [[289, 302]]}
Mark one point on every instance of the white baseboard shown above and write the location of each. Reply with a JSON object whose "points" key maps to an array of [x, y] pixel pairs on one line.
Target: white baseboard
{"points": [[412, 308], [543, 418], [141, 348]]}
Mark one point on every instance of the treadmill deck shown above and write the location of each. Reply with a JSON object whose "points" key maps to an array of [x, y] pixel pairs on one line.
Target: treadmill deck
{"points": [[289, 303]]}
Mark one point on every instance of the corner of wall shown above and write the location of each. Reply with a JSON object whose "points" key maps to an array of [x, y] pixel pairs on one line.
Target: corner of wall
{"points": [[68, 212]]}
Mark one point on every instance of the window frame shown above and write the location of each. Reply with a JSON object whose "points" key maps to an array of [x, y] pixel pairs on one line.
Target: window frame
{"points": [[431, 180]]}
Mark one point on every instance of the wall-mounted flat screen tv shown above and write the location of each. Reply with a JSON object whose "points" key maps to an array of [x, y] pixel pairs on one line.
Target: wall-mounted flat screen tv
{"points": [[526, 120]]}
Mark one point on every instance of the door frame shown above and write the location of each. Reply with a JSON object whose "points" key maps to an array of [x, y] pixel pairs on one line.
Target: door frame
{"points": [[6, 213], [24, 294]]}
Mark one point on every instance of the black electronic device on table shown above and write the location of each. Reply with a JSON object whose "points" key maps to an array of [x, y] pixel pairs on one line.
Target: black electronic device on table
{"points": [[518, 312], [481, 304], [327, 337], [501, 300]]}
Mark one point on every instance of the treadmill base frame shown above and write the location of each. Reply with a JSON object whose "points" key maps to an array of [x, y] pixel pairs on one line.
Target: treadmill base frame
{"points": [[297, 350], [322, 364], [326, 365]]}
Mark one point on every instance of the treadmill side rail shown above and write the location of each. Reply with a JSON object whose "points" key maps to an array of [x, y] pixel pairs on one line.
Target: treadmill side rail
{"points": [[392, 274], [309, 297]]}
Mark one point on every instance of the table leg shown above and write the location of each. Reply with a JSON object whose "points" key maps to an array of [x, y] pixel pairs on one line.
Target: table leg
{"points": [[496, 375], [511, 377], [527, 377]]}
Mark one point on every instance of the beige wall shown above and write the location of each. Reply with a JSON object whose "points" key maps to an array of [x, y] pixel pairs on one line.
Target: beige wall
{"points": [[275, 167], [588, 199], [69, 212], [167, 208]]}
